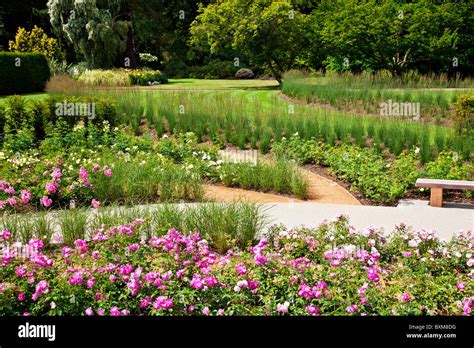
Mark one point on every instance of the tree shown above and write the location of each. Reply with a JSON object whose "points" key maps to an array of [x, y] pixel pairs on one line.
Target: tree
{"points": [[25, 14], [269, 33], [35, 40], [375, 35], [98, 29], [162, 28]]}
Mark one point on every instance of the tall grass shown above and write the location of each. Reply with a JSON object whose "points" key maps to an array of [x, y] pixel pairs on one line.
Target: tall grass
{"points": [[235, 120], [224, 224], [27, 226], [73, 224], [108, 78], [280, 177], [151, 180], [363, 93]]}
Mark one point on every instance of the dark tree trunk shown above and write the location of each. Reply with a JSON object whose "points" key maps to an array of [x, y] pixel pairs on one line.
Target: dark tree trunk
{"points": [[130, 51]]}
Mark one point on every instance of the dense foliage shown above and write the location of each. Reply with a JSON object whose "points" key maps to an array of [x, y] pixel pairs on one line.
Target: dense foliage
{"points": [[464, 116], [35, 40], [23, 72], [417, 97], [267, 36], [234, 120], [93, 28], [26, 123], [368, 171]]}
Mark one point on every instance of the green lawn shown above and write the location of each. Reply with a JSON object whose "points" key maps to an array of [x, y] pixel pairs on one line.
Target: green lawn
{"points": [[30, 96], [199, 84], [194, 85]]}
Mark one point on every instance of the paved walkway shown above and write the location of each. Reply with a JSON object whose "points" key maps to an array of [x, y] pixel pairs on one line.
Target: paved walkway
{"points": [[445, 221]]}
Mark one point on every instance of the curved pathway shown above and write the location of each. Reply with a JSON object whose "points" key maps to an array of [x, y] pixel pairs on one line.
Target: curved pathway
{"points": [[321, 190]]}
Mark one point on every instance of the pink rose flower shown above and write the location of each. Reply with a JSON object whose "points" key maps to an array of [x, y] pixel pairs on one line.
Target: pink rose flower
{"points": [[46, 201]]}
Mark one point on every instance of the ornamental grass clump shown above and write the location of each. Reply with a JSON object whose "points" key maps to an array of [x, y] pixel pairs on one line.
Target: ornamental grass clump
{"points": [[331, 269], [106, 78]]}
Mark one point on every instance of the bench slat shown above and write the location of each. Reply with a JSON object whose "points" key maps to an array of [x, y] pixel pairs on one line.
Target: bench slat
{"points": [[445, 184]]}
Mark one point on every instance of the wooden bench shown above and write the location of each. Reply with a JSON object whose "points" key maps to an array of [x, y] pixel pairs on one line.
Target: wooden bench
{"points": [[437, 186]]}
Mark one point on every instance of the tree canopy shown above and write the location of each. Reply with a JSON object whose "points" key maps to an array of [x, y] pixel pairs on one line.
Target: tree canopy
{"points": [[268, 33], [268, 36], [96, 29]]}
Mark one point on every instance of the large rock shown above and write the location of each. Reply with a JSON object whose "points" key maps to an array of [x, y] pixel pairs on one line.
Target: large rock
{"points": [[244, 74]]}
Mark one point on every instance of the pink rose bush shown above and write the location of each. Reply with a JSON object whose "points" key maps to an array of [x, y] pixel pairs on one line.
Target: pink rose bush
{"points": [[328, 270], [48, 184], [9, 198]]}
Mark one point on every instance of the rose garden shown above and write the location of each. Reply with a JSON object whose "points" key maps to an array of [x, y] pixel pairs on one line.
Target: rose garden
{"points": [[141, 160]]}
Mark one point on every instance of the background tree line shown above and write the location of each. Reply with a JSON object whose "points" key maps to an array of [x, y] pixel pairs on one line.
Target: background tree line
{"points": [[211, 37]]}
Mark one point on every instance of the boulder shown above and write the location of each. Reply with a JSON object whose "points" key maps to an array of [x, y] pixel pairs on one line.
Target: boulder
{"points": [[244, 74]]}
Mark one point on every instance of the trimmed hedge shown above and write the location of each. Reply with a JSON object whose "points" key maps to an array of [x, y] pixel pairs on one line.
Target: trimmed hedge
{"points": [[29, 76]]}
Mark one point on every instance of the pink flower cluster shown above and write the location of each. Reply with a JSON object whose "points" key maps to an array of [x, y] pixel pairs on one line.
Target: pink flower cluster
{"points": [[259, 258], [162, 302], [52, 188], [5, 235], [180, 272], [316, 291], [41, 288], [13, 200]]}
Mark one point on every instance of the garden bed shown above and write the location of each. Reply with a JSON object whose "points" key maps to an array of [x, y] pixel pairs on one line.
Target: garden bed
{"points": [[327, 270]]}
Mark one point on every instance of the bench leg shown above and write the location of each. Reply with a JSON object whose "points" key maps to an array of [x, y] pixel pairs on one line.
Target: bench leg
{"points": [[436, 199]]}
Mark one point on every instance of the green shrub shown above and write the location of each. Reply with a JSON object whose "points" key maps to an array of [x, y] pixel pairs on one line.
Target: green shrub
{"points": [[16, 115], [463, 118], [449, 166], [146, 77], [176, 69], [215, 69], [2, 119], [23, 72], [39, 113], [60, 107], [300, 150], [36, 40], [107, 78], [22, 140]]}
